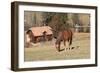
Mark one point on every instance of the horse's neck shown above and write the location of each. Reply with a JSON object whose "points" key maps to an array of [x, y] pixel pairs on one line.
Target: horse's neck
{"points": [[59, 35]]}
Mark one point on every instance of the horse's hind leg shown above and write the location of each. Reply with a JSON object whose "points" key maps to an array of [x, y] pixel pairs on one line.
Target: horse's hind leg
{"points": [[70, 42], [64, 43]]}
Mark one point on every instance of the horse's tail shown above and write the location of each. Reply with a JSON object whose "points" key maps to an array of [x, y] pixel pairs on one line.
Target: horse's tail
{"points": [[71, 37]]}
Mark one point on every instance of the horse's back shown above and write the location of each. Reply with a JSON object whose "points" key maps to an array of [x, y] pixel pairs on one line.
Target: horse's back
{"points": [[65, 35]]}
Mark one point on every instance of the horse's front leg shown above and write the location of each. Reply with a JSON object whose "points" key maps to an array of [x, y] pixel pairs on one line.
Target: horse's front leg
{"points": [[58, 47]]}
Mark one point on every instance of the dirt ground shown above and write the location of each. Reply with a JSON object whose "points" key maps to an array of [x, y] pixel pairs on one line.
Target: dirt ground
{"points": [[47, 51]]}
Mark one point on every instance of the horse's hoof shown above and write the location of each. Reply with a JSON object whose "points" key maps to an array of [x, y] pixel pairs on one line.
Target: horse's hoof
{"points": [[72, 47], [66, 48]]}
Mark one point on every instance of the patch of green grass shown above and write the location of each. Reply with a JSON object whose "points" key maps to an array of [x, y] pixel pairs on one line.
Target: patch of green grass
{"points": [[47, 51]]}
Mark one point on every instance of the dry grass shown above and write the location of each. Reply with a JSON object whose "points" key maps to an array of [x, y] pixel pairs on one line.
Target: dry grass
{"points": [[47, 50]]}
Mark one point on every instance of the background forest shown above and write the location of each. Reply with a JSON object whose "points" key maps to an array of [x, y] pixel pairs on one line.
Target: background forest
{"points": [[57, 21]]}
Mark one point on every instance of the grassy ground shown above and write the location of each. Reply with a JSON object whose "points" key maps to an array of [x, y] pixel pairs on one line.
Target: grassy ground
{"points": [[47, 51]]}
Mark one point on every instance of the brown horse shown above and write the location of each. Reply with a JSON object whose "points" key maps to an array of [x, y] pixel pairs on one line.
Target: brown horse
{"points": [[64, 36]]}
